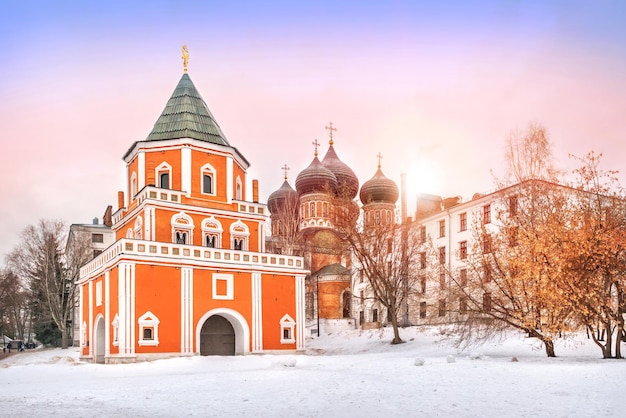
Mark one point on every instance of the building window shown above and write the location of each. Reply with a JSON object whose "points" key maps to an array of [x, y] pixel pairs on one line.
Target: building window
{"points": [[442, 307], [442, 279], [347, 299], [182, 228], [98, 238], [163, 175], [422, 309], [212, 232], [487, 214], [422, 234], [312, 209], [208, 177], [238, 189], [463, 250], [486, 274], [487, 244], [423, 284], [462, 305], [442, 228], [287, 325], [223, 286], [513, 236], [116, 326], [463, 221], [487, 302], [513, 205], [442, 255], [207, 184], [96, 253], [361, 317], [239, 236], [422, 260], [374, 315], [133, 185], [463, 277], [138, 228], [148, 329]]}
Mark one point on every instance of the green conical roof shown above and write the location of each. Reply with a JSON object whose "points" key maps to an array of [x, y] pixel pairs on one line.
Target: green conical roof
{"points": [[186, 115]]}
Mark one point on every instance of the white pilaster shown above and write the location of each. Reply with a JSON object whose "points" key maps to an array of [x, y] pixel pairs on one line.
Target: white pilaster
{"points": [[91, 324], [229, 179], [107, 314], [186, 310], [126, 298], [185, 168], [300, 305], [257, 313]]}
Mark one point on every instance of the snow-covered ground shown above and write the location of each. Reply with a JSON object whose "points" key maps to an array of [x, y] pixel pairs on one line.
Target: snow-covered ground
{"points": [[343, 375]]}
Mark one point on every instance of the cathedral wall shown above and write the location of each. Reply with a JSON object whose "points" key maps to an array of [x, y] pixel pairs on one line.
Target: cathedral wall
{"points": [[330, 301]]}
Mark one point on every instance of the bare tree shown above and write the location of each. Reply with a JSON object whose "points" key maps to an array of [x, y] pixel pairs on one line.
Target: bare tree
{"points": [[386, 253], [51, 271]]}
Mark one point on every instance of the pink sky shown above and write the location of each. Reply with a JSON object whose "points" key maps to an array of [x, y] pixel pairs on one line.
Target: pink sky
{"points": [[435, 88]]}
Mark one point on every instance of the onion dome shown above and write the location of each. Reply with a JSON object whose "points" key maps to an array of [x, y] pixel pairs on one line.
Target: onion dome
{"points": [[347, 181], [379, 189], [285, 198], [315, 178]]}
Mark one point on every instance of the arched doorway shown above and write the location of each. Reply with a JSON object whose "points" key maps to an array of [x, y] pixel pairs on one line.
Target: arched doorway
{"points": [[99, 343], [217, 337]]}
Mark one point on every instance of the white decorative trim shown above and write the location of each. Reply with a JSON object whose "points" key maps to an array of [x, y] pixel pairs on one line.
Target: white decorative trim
{"points": [[185, 168], [287, 325], [182, 223], [99, 293], [186, 310], [239, 231], [137, 230], [116, 328], [230, 286], [163, 167], [257, 313], [238, 189], [141, 169], [133, 186], [211, 226], [148, 321], [300, 311]]}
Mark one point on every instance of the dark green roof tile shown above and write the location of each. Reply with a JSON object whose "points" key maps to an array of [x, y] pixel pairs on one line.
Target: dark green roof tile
{"points": [[186, 115]]}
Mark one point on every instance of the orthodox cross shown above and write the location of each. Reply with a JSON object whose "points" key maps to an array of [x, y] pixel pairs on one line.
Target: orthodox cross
{"points": [[185, 58], [330, 129], [315, 144], [380, 157], [285, 168]]}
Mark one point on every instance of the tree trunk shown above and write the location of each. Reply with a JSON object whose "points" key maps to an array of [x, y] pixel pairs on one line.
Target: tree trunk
{"points": [[549, 344], [618, 340], [64, 337], [396, 331]]}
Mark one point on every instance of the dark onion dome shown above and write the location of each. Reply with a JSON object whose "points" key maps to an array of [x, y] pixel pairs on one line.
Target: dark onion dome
{"points": [[285, 198], [316, 178], [347, 181], [379, 189]]}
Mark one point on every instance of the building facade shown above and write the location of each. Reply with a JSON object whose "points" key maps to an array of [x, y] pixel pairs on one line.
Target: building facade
{"points": [[188, 272]]}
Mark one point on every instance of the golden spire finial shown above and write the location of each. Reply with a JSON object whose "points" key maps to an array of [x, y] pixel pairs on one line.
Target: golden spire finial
{"points": [[380, 157], [185, 58], [285, 169], [331, 129], [315, 144]]}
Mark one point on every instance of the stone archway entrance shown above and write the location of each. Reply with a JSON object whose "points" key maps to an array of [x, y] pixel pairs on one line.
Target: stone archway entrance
{"points": [[99, 343], [217, 337]]}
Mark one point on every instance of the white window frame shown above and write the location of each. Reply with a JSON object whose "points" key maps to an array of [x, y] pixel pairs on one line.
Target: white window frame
{"points": [[138, 228], [239, 230], [211, 226], [287, 323], [116, 327], [150, 321], [181, 222], [133, 185], [238, 189], [163, 167], [210, 170], [230, 286]]}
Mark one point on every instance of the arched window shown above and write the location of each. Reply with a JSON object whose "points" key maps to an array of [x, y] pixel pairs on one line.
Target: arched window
{"points": [[238, 189], [208, 179], [182, 228], [239, 235], [133, 185], [212, 233], [164, 174], [312, 209], [287, 325], [138, 225]]}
